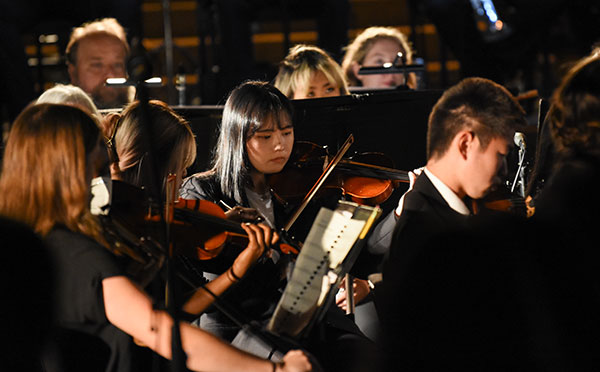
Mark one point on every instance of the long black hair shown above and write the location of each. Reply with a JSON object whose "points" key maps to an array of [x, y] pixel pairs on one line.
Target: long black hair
{"points": [[249, 105]]}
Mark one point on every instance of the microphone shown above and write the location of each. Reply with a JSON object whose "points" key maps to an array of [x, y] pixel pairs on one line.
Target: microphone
{"points": [[519, 140], [399, 56]]}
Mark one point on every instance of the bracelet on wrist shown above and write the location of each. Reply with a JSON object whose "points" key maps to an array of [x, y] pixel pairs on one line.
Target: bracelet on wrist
{"points": [[234, 277]]}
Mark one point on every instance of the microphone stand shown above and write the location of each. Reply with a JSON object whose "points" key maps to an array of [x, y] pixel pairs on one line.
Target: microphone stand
{"points": [[403, 60], [520, 176], [393, 68], [139, 68]]}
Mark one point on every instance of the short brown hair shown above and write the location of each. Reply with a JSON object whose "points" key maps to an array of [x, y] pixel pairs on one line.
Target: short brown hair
{"points": [[104, 26], [483, 106]]}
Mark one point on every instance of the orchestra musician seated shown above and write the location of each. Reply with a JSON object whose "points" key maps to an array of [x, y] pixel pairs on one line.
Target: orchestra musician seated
{"points": [[469, 134], [376, 47], [444, 124], [256, 139], [566, 222], [56, 146], [309, 72], [171, 137]]}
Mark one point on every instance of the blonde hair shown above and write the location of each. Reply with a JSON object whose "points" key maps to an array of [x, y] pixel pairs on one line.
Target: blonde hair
{"points": [[301, 63], [105, 26], [172, 141], [70, 95], [360, 46], [48, 145]]}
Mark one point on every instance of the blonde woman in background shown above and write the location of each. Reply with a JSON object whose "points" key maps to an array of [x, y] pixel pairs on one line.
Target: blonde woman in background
{"points": [[309, 72], [374, 47]]}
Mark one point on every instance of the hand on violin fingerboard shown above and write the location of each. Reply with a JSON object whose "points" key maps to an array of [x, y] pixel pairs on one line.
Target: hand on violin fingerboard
{"points": [[260, 239], [241, 214], [360, 288]]}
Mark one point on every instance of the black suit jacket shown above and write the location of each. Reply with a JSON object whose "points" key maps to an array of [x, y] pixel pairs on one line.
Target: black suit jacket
{"points": [[481, 293], [425, 214]]}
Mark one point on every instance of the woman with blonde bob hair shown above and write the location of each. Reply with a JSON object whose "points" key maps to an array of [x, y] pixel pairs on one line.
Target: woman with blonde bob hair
{"points": [[55, 147], [309, 72], [374, 47]]}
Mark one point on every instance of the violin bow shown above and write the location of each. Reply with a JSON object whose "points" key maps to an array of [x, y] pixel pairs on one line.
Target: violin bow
{"points": [[336, 159]]}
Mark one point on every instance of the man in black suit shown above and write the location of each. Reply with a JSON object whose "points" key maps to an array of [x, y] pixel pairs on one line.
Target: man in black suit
{"points": [[470, 130], [469, 134]]}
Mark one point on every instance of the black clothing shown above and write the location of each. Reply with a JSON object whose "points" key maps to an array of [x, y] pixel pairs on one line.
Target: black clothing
{"points": [[255, 296], [570, 200], [26, 279], [425, 216], [566, 233], [425, 203], [85, 335], [498, 292], [425, 198], [472, 299]]}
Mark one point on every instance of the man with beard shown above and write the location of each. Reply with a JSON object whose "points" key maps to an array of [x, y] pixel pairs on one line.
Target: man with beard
{"points": [[97, 51]]}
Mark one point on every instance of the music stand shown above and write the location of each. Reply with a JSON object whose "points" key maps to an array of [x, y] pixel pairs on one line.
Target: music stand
{"points": [[329, 251]]}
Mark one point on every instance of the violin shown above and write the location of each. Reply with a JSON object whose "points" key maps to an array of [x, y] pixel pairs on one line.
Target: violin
{"points": [[366, 178], [310, 168], [198, 229], [497, 201], [203, 225], [125, 229]]}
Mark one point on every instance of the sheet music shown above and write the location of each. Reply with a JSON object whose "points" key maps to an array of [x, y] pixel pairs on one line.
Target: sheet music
{"points": [[317, 267], [101, 193]]}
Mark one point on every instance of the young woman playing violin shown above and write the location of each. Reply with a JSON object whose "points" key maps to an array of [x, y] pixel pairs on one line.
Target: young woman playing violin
{"points": [[170, 136], [56, 147], [256, 139]]}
